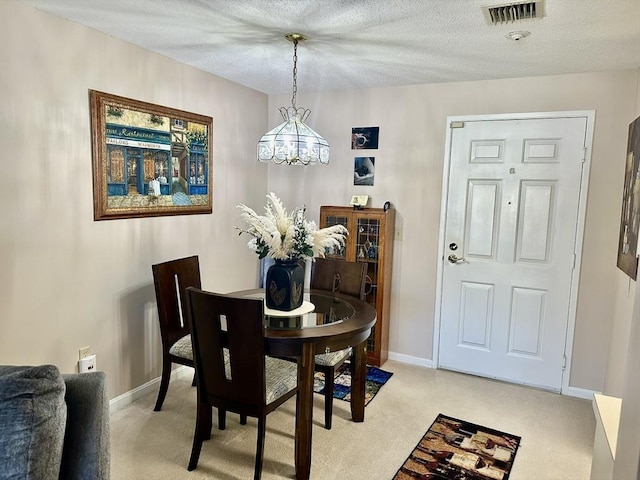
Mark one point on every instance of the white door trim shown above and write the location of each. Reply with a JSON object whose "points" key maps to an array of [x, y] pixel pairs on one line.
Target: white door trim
{"points": [[582, 207]]}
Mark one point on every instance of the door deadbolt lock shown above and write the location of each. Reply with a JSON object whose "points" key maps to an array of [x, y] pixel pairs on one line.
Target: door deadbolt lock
{"points": [[453, 246]]}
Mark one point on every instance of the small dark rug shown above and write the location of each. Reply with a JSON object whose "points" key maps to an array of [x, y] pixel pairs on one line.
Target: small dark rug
{"points": [[374, 381], [453, 449]]}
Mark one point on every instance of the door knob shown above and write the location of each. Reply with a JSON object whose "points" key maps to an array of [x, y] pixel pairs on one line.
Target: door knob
{"points": [[453, 258]]}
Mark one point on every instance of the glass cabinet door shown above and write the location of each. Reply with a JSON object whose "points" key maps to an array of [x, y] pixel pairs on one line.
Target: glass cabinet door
{"points": [[330, 221], [366, 245], [367, 239]]}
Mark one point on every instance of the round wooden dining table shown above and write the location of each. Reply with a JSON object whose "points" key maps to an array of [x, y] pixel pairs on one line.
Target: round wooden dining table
{"points": [[335, 322]]}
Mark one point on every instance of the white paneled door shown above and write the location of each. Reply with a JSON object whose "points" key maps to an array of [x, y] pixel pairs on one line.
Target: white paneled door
{"points": [[512, 214]]}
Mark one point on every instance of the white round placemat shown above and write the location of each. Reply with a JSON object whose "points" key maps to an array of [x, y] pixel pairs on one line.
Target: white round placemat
{"points": [[306, 307]]}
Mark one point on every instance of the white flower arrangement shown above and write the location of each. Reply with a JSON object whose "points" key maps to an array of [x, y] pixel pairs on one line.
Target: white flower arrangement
{"points": [[288, 236]]}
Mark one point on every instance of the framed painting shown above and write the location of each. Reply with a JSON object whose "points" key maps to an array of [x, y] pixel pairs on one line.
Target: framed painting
{"points": [[364, 138], [630, 220], [148, 160], [363, 170]]}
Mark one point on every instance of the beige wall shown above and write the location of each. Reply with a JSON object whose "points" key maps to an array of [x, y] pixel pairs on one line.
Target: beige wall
{"points": [[627, 463], [624, 365], [409, 164], [625, 291], [67, 281]]}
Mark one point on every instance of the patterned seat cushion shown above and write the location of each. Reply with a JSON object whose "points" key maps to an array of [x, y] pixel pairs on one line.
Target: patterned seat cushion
{"points": [[281, 377], [332, 358], [182, 348]]}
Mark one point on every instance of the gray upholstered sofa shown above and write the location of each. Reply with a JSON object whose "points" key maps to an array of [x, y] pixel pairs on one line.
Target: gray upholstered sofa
{"points": [[53, 426]]}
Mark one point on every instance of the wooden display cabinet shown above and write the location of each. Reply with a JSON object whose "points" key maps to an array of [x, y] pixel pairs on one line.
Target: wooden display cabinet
{"points": [[370, 240]]}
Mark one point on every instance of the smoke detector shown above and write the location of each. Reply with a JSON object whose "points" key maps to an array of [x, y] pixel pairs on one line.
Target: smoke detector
{"points": [[513, 12], [517, 35]]}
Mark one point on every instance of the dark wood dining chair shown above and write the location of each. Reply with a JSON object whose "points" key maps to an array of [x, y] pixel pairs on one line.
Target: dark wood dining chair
{"points": [[249, 383], [345, 277], [171, 280]]}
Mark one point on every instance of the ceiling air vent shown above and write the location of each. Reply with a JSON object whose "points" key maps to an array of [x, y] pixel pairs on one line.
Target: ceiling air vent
{"points": [[513, 12]]}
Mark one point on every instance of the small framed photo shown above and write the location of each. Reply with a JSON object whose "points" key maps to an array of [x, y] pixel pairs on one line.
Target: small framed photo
{"points": [[363, 170], [364, 138], [359, 201]]}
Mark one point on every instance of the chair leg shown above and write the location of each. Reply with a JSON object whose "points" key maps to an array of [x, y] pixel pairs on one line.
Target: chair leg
{"points": [[243, 419], [193, 382], [222, 419], [164, 383], [203, 428], [262, 421], [208, 423], [329, 377]]}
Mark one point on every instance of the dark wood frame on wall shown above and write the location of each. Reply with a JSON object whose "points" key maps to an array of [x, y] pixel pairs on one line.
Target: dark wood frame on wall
{"points": [[630, 219], [149, 160]]}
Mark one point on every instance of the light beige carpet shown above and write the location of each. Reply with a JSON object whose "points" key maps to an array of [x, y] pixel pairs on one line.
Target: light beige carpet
{"points": [[557, 431]]}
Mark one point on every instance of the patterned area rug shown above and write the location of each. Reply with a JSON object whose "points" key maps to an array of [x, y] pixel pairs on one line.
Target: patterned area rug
{"points": [[454, 449], [374, 381]]}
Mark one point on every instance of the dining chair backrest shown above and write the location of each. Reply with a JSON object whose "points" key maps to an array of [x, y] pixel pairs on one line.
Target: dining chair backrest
{"points": [[219, 323], [323, 274], [171, 280], [352, 278], [349, 278], [338, 275], [233, 373]]}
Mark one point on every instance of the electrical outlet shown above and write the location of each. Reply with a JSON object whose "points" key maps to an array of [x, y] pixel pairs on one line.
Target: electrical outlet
{"points": [[87, 364], [84, 352], [398, 234]]}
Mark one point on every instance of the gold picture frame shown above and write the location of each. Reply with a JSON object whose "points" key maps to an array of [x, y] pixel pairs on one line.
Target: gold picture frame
{"points": [[149, 160]]}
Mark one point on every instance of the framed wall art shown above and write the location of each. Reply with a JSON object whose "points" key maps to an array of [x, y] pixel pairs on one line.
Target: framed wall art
{"points": [[630, 220], [148, 160], [364, 138], [364, 170]]}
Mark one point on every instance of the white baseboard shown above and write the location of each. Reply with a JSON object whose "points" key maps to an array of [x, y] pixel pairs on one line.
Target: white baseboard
{"points": [[579, 393], [425, 362], [422, 362], [131, 396]]}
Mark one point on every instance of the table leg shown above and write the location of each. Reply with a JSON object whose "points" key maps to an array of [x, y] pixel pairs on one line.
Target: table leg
{"points": [[358, 375], [304, 412]]}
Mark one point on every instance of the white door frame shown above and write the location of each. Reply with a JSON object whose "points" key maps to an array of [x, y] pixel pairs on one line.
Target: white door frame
{"points": [[582, 208]]}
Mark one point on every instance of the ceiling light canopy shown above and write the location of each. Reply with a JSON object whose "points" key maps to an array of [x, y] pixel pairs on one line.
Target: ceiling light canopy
{"points": [[293, 142]]}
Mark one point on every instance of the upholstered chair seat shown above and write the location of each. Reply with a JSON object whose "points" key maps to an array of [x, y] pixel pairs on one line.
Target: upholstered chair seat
{"points": [[182, 348]]}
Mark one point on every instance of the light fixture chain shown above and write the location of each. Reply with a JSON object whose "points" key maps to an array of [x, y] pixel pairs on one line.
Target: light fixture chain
{"points": [[293, 142], [295, 73]]}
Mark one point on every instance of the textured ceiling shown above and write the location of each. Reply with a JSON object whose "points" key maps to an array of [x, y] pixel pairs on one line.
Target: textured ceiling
{"points": [[367, 43]]}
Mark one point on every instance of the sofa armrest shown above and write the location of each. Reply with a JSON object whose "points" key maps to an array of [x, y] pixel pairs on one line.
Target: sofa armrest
{"points": [[32, 421], [86, 451]]}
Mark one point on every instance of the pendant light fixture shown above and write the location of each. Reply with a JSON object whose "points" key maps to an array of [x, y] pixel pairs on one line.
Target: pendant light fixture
{"points": [[293, 142]]}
